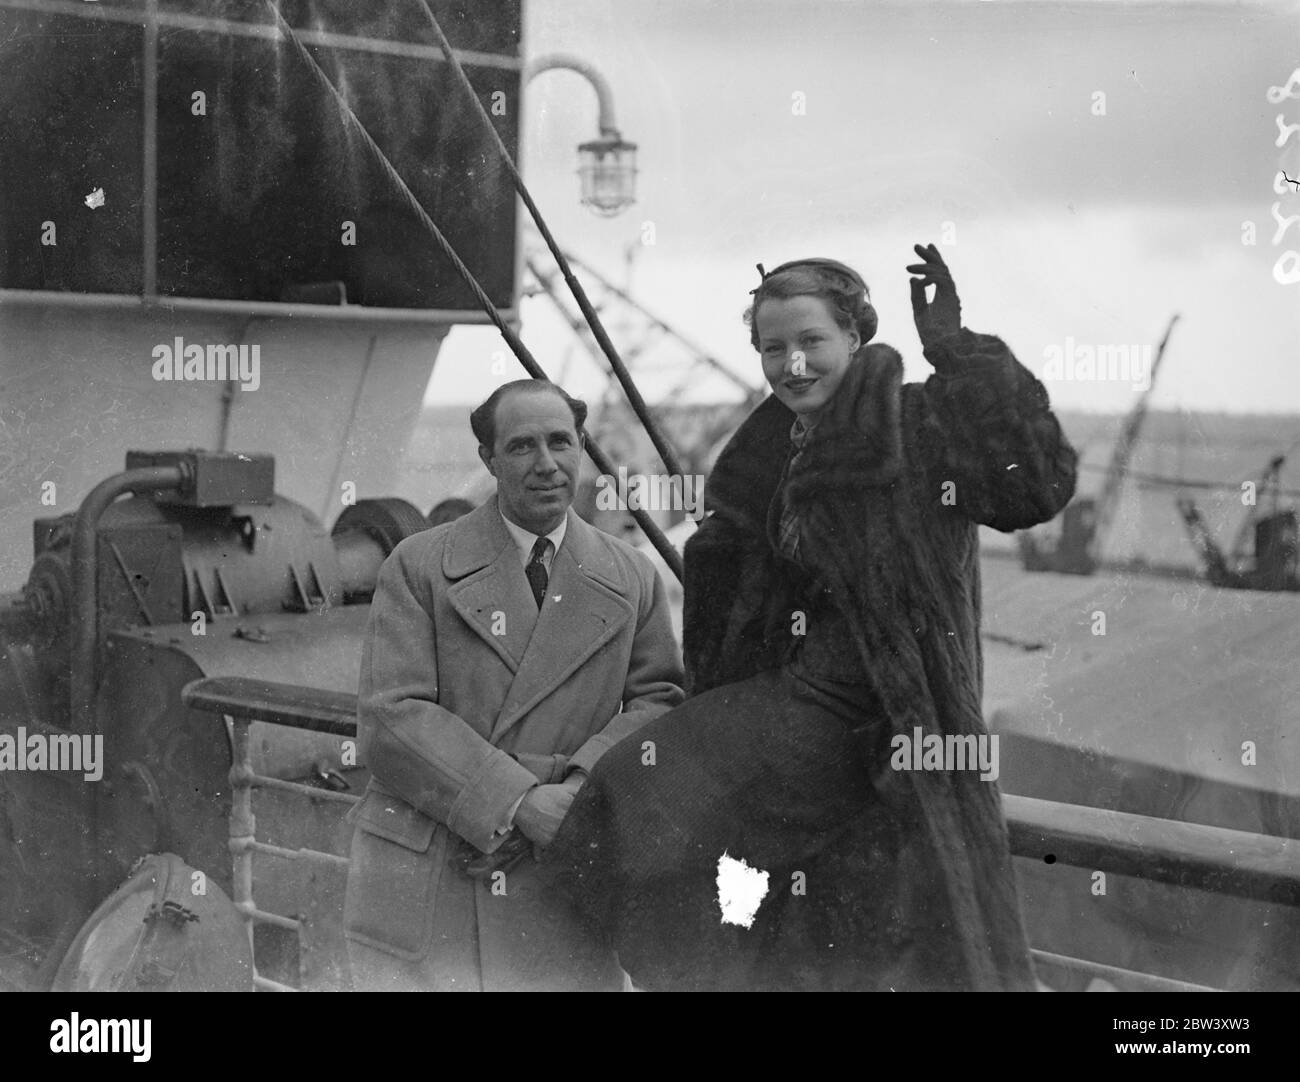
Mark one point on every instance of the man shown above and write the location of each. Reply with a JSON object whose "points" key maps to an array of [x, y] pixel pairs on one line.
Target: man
{"points": [[506, 652]]}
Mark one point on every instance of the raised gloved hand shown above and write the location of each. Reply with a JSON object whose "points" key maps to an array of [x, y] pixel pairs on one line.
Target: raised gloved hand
{"points": [[941, 316]]}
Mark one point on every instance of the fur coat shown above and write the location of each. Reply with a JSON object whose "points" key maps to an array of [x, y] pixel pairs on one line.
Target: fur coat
{"points": [[889, 491]]}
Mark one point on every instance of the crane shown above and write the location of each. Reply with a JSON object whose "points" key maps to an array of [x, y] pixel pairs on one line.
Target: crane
{"points": [[1087, 520], [1112, 485], [1274, 566]]}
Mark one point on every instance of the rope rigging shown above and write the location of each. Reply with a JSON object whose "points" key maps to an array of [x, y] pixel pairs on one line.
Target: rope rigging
{"points": [[651, 529]]}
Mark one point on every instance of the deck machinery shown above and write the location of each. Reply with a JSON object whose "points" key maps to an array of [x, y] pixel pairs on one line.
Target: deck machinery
{"points": [[213, 575]]}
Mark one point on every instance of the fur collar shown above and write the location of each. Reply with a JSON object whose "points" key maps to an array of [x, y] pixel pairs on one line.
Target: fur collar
{"points": [[857, 441]]}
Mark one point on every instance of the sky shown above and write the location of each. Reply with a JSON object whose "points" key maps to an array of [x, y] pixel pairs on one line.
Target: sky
{"points": [[769, 131]]}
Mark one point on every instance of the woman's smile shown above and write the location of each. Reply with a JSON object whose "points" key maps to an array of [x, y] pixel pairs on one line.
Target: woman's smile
{"points": [[799, 384], [804, 352]]}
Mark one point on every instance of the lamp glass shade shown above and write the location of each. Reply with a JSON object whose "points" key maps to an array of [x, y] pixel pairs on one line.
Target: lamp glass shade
{"points": [[607, 170]]}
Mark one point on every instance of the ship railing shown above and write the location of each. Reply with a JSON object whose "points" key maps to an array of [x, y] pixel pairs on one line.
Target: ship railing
{"points": [[241, 702], [1235, 863]]}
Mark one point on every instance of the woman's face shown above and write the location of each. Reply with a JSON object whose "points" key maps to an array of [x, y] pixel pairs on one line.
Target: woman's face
{"points": [[805, 352]]}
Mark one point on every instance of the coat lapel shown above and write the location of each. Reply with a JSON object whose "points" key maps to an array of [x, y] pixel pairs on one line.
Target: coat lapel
{"points": [[586, 605], [488, 588]]}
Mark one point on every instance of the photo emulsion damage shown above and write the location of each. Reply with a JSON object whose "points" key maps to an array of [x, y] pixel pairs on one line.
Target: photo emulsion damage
{"points": [[650, 496]]}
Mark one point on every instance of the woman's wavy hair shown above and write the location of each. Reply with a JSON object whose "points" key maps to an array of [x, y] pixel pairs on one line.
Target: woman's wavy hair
{"points": [[839, 285]]}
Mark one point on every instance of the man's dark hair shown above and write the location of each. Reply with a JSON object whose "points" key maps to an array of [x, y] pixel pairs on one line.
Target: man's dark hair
{"points": [[483, 420]]}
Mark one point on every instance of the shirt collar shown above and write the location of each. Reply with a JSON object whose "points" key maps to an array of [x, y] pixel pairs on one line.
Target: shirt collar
{"points": [[525, 539]]}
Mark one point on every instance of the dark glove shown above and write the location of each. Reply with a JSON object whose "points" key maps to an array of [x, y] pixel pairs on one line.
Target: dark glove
{"points": [[942, 316], [469, 861]]}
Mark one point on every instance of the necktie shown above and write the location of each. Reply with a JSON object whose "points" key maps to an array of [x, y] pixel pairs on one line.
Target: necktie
{"points": [[788, 523], [536, 570]]}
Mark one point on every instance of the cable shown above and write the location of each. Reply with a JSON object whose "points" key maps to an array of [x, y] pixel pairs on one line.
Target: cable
{"points": [[656, 536], [1155, 480], [661, 444]]}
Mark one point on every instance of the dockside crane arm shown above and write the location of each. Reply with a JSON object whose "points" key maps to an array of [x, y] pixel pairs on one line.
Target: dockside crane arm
{"points": [[1113, 485]]}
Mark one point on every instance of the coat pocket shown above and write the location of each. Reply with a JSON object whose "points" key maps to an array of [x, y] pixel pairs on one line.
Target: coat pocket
{"points": [[396, 862]]}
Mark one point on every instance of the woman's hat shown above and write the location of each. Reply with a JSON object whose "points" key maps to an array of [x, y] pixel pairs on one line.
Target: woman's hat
{"points": [[825, 264], [867, 320]]}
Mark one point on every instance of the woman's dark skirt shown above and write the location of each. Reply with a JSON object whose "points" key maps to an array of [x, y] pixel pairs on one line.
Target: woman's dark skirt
{"points": [[773, 771]]}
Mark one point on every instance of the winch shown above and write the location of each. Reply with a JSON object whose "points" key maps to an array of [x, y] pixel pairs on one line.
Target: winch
{"points": [[186, 565]]}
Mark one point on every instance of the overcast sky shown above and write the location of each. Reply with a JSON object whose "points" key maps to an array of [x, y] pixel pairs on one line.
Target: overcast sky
{"points": [[1068, 224]]}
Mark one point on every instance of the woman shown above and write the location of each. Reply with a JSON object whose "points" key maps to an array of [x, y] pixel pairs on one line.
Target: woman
{"points": [[832, 603]]}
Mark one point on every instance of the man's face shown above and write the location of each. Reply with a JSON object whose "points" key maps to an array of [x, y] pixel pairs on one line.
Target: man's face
{"points": [[535, 459]]}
